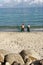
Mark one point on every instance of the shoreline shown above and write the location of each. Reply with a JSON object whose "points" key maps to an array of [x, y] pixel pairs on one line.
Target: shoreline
{"points": [[18, 30], [17, 26]]}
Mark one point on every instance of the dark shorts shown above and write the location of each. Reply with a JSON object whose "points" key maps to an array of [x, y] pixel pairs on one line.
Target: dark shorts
{"points": [[22, 29]]}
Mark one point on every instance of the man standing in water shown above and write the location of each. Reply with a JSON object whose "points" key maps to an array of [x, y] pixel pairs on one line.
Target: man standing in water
{"points": [[28, 28], [22, 27]]}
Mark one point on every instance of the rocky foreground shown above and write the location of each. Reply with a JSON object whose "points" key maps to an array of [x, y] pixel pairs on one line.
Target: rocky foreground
{"points": [[12, 44]]}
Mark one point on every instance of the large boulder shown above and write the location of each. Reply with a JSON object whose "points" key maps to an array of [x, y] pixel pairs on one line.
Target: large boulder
{"points": [[25, 55], [13, 57], [41, 61], [37, 62], [2, 54], [29, 55]]}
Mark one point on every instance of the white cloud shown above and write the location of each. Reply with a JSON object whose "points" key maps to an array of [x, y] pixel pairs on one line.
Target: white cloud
{"points": [[13, 2], [18, 0], [25, 0], [1, 5], [35, 2], [29, 1], [7, 1], [38, 1]]}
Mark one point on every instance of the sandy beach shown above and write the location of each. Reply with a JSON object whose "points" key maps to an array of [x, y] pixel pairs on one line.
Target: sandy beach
{"points": [[14, 42]]}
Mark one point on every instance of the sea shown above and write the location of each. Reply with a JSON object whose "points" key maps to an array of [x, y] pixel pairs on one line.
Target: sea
{"points": [[19, 16]]}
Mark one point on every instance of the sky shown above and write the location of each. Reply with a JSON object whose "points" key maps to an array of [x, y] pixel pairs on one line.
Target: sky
{"points": [[11, 3]]}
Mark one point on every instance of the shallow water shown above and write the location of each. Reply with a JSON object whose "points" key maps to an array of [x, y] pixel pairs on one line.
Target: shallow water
{"points": [[17, 16], [17, 30]]}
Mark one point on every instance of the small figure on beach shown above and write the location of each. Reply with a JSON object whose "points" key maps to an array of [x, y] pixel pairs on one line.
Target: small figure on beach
{"points": [[28, 28], [22, 28]]}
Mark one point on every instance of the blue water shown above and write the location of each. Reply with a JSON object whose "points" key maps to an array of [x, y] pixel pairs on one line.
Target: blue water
{"points": [[17, 16]]}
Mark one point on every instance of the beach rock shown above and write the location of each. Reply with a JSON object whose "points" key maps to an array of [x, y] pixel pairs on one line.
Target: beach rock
{"points": [[31, 59], [36, 63], [4, 52], [27, 63], [13, 57], [0, 63], [15, 63], [41, 61], [24, 55], [2, 55], [35, 54], [29, 56], [7, 63]]}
